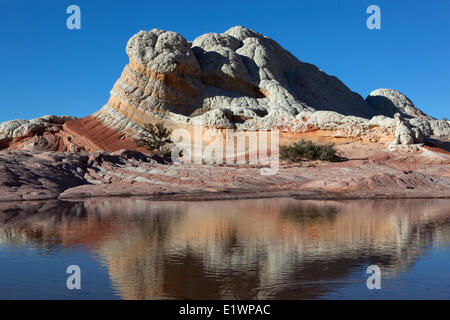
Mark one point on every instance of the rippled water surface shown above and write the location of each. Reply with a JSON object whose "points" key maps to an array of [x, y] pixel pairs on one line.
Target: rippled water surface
{"points": [[244, 249]]}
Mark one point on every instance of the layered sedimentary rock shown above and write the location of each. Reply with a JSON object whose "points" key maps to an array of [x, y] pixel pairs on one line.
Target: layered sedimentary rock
{"points": [[239, 75], [238, 80], [40, 134], [27, 175], [370, 172]]}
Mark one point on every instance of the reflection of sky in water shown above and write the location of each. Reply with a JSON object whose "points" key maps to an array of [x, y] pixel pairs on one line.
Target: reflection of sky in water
{"points": [[268, 248], [31, 273], [428, 278]]}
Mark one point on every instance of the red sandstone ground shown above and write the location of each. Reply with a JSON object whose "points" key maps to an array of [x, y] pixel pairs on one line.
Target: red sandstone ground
{"points": [[371, 171]]}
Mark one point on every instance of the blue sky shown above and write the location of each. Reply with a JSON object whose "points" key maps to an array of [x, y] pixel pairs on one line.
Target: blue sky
{"points": [[48, 69]]}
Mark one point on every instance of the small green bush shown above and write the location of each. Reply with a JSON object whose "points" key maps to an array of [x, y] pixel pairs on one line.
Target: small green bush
{"points": [[154, 137], [308, 150]]}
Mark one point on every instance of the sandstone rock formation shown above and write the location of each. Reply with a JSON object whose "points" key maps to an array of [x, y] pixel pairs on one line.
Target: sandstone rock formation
{"points": [[238, 80], [39, 134], [389, 102], [369, 173], [437, 128], [404, 133], [16, 129]]}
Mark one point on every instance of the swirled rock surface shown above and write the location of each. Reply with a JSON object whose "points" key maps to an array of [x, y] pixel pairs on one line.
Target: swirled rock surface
{"points": [[240, 80], [39, 134], [371, 172], [389, 102]]}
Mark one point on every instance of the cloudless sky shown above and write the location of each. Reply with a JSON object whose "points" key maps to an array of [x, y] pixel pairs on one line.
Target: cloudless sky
{"points": [[48, 69]]}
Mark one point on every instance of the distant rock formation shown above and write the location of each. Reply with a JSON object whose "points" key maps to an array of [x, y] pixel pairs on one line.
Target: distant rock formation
{"points": [[389, 102], [21, 128], [237, 80], [40, 134]]}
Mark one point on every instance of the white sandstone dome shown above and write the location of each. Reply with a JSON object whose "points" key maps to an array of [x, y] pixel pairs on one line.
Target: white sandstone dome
{"points": [[390, 102]]}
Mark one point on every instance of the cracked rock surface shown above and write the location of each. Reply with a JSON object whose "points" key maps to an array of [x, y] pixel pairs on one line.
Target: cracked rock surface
{"points": [[371, 171]]}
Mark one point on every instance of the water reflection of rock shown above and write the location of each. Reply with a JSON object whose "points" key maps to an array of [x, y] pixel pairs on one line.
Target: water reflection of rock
{"points": [[269, 248]]}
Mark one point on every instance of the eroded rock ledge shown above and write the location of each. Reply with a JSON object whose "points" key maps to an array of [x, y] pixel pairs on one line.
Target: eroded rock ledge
{"points": [[371, 172]]}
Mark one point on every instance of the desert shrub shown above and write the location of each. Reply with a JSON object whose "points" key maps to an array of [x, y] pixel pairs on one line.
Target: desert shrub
{"points": [[302, 213], [166, 151], [308, 150], [155, 137], [328, 153]]}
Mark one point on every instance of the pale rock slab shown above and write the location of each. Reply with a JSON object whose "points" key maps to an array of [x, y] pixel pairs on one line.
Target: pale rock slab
{"points": [[404, 133]]}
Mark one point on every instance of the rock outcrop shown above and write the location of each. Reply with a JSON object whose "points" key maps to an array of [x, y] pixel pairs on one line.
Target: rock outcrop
{"points": [[40, 134], [17, 129], [404, 133], [371, 173], [238, 80], [389, 102]]}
